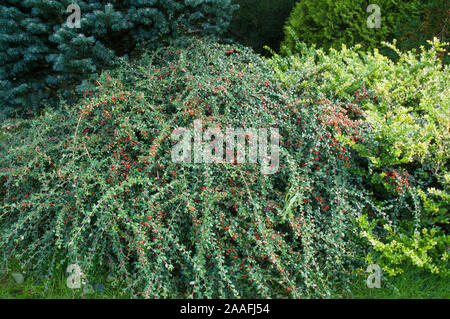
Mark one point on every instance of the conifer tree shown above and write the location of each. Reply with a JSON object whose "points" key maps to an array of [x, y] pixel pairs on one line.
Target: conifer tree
{"points": [[41, 56]]}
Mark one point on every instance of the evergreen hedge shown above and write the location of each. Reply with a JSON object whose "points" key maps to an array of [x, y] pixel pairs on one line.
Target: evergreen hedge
{"points": [[329, 24]]}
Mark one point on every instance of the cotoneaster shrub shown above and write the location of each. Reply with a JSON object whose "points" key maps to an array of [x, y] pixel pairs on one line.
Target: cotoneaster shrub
{"points": [[94, 184], [40, 56]]}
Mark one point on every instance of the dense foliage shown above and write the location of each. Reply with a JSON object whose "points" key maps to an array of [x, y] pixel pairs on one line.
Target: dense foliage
{"points": [[329, 24], [95, 183], [408, 146], [91, 180], [41, 56]]}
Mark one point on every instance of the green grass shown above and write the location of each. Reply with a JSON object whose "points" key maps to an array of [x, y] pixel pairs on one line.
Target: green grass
{"points": [[56, 287], [412, 284], [9, 289]]}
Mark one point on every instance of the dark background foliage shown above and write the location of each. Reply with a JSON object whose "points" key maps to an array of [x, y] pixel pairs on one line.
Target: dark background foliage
{"points": [[433, 21], [260, 22]]}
